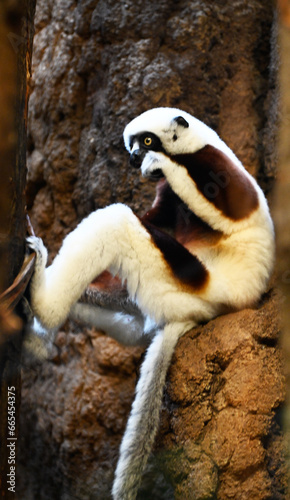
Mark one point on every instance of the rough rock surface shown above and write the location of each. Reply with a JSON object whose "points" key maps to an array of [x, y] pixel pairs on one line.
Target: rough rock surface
{"points": [[75, 408], [222, 422], [220, 434], [96, 66]]}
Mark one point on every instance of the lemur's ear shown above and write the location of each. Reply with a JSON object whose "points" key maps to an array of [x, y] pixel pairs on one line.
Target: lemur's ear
{"points": [[181, 121]]}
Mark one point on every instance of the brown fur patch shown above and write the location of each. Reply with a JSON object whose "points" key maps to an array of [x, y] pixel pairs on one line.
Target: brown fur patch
{"points": [[163, 212], [105, 282], [191, 230], [220, 181], [185, 266], [172, 215]]}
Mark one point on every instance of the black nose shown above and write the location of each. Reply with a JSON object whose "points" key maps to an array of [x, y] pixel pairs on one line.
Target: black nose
{"points": [[136, 158]]}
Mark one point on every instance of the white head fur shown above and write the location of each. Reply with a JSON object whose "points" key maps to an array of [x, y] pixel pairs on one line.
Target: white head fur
{"points": [[175, 138]]}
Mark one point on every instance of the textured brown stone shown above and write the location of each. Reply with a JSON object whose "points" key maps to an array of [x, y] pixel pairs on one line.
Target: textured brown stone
{"points": [[97, 65], [76, 406], [225, 391]]}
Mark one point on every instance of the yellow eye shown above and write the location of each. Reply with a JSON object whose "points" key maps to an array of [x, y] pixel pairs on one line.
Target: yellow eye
{"points": [[147, 141]]}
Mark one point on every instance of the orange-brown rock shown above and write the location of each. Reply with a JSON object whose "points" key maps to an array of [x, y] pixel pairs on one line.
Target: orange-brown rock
{"points": [[225, 393]]}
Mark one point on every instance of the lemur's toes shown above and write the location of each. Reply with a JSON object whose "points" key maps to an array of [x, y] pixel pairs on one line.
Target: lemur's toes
{"points": [[36, 244]]}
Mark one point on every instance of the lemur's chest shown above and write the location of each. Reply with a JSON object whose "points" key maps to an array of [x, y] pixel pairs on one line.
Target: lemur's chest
{"points": [[192, 232]]}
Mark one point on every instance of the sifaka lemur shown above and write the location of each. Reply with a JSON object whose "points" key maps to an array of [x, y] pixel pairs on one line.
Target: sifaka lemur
{"points": [[204, 248]]}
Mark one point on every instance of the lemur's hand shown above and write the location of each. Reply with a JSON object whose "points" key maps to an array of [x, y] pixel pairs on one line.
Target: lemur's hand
{"points": [[151, 165], [36, 244]]}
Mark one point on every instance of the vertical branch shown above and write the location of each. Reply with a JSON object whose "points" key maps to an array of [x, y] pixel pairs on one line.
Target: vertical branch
{"points": [[282, 204], [16, 32]]}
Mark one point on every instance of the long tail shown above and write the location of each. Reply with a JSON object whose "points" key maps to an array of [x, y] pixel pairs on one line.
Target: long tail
{"points": [[144, 418]]}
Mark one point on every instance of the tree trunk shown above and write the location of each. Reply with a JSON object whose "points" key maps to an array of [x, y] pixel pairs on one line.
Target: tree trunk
{"points": [[16, 32], [282, 199], [96, 66]]}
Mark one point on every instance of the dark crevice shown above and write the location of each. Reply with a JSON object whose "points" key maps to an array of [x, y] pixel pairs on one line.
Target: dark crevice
{"points": [[266, 341]]}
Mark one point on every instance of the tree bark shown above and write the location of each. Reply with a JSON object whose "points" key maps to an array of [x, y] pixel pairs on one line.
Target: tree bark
{"points": [[282, 199], [16, 35]]}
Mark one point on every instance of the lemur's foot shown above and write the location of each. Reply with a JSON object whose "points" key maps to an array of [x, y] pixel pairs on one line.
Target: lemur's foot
{"points": [[36, 244]]}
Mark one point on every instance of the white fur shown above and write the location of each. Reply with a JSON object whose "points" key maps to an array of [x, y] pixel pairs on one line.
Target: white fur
{"points": [[124, 328], [161, 122], [114, 239], [141, 428]]}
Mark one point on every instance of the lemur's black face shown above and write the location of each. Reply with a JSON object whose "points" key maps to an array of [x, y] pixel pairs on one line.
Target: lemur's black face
{"points": [[140, 145]]}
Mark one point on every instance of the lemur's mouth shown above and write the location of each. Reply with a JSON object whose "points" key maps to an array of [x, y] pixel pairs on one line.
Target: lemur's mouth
{"points": [[156, 174]]}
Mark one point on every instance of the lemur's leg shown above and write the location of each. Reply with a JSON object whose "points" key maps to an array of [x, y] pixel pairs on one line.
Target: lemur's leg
{"points": [[125, 328], [111, 239]]}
